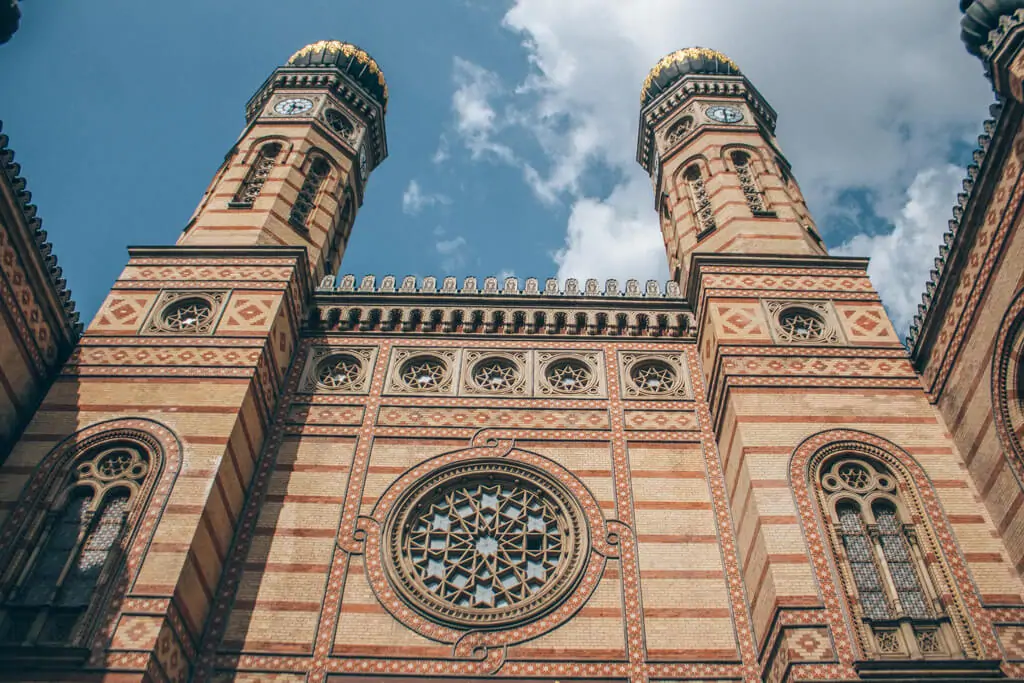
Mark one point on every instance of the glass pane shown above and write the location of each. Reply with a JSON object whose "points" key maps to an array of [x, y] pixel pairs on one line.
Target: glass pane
{"points": [[52, 559], [897, 555], [81, 580], [862, 564]]}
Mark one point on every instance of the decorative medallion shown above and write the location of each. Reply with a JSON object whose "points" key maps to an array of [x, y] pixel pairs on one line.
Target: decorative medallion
{"points": [[423, 371], [495, 372], [486, 546], [653, 374], [185, 313], [569, 373], [338, 370], [803, 322]]}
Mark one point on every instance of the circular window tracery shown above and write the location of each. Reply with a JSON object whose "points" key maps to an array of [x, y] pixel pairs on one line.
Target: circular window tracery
{"points": [[800, 324], [496, 374], [190, 315], [654, 377], [340, 372], [485, 544], [569, 375], [423, 373]]}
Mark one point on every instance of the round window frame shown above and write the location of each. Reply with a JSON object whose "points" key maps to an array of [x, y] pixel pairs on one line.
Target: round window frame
{"points": [[517, 379], [414, 593], [354, 385], [642, 389], [441, 382], [181, 302], [588, 386]]}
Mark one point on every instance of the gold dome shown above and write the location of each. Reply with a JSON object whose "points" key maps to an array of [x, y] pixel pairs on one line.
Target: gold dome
{"points": [[350, 58], [699, 60]]}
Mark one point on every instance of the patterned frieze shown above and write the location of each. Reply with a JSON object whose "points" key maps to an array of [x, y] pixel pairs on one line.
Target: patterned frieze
{"points": [[492, 286]]}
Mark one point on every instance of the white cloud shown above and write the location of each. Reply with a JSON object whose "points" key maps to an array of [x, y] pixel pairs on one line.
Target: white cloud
{"points": [[442, 153], [900, 260], [614, 237], [869, 94], [415, 200], [475, 119], [453, 253]]}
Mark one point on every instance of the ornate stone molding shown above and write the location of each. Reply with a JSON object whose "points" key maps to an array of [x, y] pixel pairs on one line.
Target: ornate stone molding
{"points": [[185, 312]]}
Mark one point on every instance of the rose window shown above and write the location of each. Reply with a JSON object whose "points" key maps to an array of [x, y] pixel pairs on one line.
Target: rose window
{"points": [[854, 475], [339, 372], [654, 377], [495, 374], [569, 375], [115, 463], [188, 315], [800, 324], [486, 543], [424, 373]]}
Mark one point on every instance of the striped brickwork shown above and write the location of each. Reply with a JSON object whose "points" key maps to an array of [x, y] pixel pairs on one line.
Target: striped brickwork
{"points": [[209, 397], [266, 221], [961, 353], [766, 398]]}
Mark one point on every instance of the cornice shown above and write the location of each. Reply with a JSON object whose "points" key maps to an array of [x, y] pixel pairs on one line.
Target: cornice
{"points": [[419, 306], [703, 261], [37, 244]]}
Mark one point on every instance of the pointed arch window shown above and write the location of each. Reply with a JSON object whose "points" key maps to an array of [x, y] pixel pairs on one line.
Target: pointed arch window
{"points": [[49, 594], [257, 176], [749, 184], [305, 201], [881, 551], [700, 201]]}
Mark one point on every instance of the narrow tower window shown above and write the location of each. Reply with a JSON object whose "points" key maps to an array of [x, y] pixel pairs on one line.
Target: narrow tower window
{"points": [[339, 123], [306, 199], [257, 176], [748, 183], [702, 210]]}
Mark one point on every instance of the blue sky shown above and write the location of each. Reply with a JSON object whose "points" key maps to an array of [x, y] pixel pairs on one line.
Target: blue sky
{"points": [[511, 125]]}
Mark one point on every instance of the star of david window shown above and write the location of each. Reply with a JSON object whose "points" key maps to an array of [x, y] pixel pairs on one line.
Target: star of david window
{"points": [[495, 374], [799, 324], [487, 543], [341, 373], [188, 316], [654, 377], [423, 373], [569, 376]]}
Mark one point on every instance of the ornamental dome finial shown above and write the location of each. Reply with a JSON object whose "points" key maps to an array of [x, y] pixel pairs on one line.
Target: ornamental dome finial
{"points": [[349, 58], [690, 60]]}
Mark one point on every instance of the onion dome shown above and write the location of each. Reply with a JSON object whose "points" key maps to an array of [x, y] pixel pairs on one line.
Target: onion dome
{"points": [[691, 60], [10, 14], [982, 16], [349, 58]]}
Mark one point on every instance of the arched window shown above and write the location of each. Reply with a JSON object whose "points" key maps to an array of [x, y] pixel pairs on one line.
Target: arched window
{"points": [[881, 551], [702, 211], [257, 176], [77, 548], [306, 199], [748, 183], [339, 123]]}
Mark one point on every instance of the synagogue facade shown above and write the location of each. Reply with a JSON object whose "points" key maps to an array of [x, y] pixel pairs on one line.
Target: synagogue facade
{"points": [[248, 468]]}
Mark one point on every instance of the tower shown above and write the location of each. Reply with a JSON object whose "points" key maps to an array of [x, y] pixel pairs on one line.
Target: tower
{"points": [[314, 132], [721, 182], [133, 473]]}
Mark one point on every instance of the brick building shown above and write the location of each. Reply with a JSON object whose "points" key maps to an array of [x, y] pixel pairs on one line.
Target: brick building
{"points": [[249, 470]]}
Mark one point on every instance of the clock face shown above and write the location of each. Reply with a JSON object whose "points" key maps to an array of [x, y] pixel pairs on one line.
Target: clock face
{"points": [[364, 167], [724, 114], [293, 106]]}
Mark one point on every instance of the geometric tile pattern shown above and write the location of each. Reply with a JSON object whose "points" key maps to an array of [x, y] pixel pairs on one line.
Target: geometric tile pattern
{"points": [[866, 324], [661, 420], [249, 313], [1012, 640], [395, 416], [122, 312]]}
